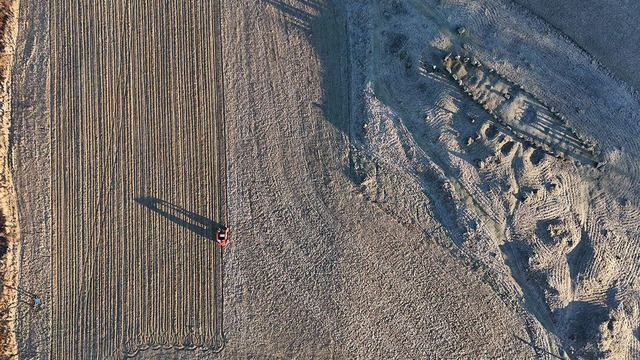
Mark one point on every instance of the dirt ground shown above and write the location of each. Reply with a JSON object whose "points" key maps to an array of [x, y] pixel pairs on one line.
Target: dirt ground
{"points": [[376, 209], [563, 230], [32, 176], [539, 228], [606, 31], [138, 178], [134, 175], [9, 228]]}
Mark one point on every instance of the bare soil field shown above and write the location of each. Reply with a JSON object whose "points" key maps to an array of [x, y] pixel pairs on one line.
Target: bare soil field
{"points": [[378, 206], [137, 180], [519, 112], [31, 169], [563, 230], [138, 177], [327, 234], [608, 31]]}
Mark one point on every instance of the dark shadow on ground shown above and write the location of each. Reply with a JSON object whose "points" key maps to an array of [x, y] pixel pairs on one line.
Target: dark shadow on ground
{"points": [[537, 122], [580, 259], [199, 224], [4, 242], [532, 283], [582, 321], [578, 324], [540, 352], [542, 230], [324, 23]]}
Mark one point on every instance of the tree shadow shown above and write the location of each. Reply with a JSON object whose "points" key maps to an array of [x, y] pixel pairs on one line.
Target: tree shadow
{"points": [[324, 23], [297, 17], [199, 224]]}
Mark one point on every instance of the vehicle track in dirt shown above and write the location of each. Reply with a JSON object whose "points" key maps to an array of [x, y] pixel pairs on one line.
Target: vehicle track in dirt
{"points": [[138, 177], [519, 111]]}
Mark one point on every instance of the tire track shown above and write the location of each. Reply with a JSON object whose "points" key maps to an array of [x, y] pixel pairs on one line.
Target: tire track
{"points": [[513, 107]]}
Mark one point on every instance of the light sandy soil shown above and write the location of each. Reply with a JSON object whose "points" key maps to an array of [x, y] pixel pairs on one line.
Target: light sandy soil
{"points": [[10, 294], [376, 210], [528, 218], [564, 232], [364, 273]]}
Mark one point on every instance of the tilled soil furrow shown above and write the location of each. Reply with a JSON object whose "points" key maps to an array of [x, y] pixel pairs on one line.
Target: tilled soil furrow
{"points": [[136, 177]]}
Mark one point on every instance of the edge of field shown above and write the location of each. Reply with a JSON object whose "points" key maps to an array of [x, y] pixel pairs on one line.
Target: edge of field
{"points": [[9, 228]]}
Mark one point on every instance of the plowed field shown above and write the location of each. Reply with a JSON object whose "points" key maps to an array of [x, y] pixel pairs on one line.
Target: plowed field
{"points": [[137, 176]]}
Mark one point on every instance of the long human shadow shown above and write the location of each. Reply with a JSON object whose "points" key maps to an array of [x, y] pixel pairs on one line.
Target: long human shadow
{"points": [[199, 224]]}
